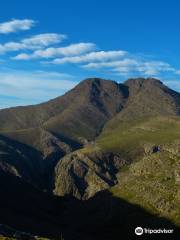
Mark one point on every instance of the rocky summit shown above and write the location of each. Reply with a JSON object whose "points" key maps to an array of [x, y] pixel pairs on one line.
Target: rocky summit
{"points": [[93, 163]]}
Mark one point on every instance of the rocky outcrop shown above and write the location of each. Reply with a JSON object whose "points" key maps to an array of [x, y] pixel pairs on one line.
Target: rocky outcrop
{"points": [[83, 174]]}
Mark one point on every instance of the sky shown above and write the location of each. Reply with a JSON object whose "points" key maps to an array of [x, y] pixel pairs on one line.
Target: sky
{"points": [[47, 47]]}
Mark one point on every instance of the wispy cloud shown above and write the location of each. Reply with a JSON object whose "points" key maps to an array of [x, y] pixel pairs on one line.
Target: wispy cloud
{"points": [[35, 42], [16, 25], [132, 65], [178, 72], [92, 56], [33, 87], [47, 48], [70, 50], [85, 55], [124, 63], [45, 39]]}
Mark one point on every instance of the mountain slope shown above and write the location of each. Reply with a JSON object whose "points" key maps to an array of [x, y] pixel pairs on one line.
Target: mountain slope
{"points": [[100, 135], [54, 129], [84, 172], [149, 97], [139, 164], [50, 129], [27, 209], [89, 105], [152, 178], [20, 160]]}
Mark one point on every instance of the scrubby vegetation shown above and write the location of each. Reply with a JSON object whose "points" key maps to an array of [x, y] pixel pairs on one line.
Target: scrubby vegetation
{"points": [[152, 180]]}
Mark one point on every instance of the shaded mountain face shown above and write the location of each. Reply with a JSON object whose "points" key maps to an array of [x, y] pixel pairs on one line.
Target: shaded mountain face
{"points": [[27, 209], [100, 135], [20, 160], [32, 213], [33, 163]]}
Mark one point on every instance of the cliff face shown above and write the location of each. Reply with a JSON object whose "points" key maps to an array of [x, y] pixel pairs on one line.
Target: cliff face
{"points": [[86, 172]]}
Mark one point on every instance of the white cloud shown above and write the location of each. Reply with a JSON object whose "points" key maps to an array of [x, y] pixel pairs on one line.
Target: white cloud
{"points": [[21, 56], [84, 54], [45, 39], [35, 42], [16, 25], [177, 72], [33, 87], [10, 46], [70, 50], [92, 56], [118, 63], [132, 65], [154, 67]]}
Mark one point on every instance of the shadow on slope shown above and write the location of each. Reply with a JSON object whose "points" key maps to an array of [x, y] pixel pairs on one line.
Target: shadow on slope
{"points": [[26, 209], [103, 217], [23, 158], [106, 217]]}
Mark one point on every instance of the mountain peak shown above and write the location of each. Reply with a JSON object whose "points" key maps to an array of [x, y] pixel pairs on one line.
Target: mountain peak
{"points": [[142, 81], [96, 81], [149, 97]]}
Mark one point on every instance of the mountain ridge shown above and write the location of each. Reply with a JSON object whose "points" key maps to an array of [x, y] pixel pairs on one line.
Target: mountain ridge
{"points": [[93, 90]]}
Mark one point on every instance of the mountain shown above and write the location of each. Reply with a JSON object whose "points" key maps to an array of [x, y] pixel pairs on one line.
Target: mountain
{"points": [[150, 97], [88, 170], [51, 128], [102, 139], [89, 105]]}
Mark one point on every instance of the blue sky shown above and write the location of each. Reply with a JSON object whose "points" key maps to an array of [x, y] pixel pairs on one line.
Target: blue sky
{"points": [[47, 47]]}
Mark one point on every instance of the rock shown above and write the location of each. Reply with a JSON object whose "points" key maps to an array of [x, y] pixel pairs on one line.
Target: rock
{"points": [[82, 175]]}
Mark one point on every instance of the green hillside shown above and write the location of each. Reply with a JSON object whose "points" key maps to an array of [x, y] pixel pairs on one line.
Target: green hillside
{"points": [[152, 180], [130, 137]]}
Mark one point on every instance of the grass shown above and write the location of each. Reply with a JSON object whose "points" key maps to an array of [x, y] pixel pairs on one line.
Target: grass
{"points": [[151, 183], [128, 137], [151, 180]]}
